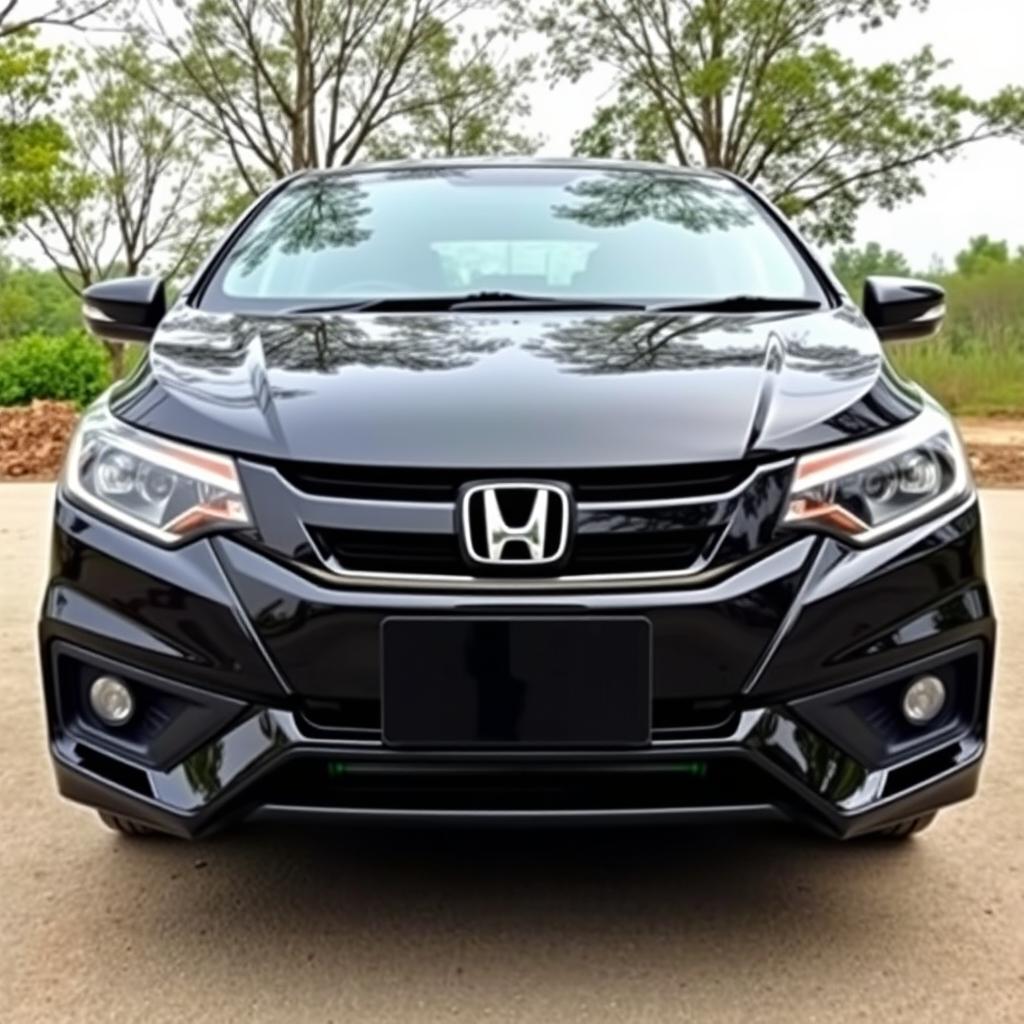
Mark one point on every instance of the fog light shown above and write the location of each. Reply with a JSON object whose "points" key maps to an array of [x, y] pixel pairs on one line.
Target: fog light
{"points": [[112, 701], [924, 699]]}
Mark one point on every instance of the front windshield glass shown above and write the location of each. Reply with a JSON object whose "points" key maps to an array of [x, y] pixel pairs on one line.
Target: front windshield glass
{"points": [[566, 233]]}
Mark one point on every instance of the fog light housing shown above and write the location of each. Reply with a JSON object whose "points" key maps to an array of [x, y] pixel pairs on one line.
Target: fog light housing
{"points": [[112, 701], [924, 699]]}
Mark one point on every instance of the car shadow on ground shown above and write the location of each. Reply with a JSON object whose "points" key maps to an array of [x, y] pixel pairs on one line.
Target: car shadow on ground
{"points": [[673, 900]]}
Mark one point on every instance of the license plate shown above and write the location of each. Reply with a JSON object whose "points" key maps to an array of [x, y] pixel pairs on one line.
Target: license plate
{"points": [[516, 682]]}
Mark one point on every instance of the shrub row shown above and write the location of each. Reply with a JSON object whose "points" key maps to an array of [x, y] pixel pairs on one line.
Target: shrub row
{"points": [[68, 367]]}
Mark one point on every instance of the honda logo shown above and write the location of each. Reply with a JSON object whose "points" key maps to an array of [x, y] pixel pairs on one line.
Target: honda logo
{"points": [[506, 524]]}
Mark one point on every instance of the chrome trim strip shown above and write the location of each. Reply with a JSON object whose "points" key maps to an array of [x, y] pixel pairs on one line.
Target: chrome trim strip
{"points": [[696, 574], [336, 572]]}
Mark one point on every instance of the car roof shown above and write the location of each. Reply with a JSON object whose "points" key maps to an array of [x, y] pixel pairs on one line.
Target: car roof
{"points": [[510, 162]]}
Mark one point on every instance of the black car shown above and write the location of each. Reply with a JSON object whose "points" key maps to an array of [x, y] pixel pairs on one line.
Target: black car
{"points": [[516, 491]]}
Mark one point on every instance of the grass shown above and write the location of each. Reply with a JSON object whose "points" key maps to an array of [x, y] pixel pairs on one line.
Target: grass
{"points": [[974, 382]]}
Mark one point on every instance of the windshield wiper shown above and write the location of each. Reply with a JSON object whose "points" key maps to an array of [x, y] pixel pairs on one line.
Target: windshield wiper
{"points": [[486, 300], [737, 304], [467, 301]]}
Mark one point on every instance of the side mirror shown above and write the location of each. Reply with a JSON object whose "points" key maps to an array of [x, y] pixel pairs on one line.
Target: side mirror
{"points": [[124, 309], [902, 309]]}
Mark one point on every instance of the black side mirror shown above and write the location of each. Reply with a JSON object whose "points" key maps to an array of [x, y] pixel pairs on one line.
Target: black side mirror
{"points": [[902, 309], [124, 309]]}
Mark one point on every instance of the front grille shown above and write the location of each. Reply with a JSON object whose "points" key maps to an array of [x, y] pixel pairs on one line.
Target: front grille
{"points": [[641, 523], [661, 551], [624, 484], [372, 551]]}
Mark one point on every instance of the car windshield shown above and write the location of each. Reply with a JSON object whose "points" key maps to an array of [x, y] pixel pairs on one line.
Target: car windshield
{"points": [[560, 232]]}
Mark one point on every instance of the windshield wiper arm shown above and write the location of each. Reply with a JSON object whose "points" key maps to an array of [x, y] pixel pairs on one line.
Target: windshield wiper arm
{"points": [[485, 300], [737, 304], [469, 300]]}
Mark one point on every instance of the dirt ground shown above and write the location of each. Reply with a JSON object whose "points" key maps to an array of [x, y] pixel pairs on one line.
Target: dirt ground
{"points": [[997, 450], [33, 439]]}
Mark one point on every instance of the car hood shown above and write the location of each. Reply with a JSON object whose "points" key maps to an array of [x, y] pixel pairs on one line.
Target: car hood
{"points": [[511, 390]]}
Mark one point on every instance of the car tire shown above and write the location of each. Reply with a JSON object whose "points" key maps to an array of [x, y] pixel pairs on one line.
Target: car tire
{"points": [[126, 827], [907, 829]]}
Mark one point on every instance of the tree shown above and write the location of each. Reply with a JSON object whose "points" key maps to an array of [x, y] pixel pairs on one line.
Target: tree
{"points": [[750, 86], [16, 18], [981, 255], [852, 266], [470, 105], [295, 84], [128, 195], [32, 140]]}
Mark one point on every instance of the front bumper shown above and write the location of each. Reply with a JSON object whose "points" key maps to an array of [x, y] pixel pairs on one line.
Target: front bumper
{"points": [[259, 685], [265, 768]]}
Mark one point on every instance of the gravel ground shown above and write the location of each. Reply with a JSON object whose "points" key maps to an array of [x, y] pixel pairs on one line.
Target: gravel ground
{"points": [[714, 925]]}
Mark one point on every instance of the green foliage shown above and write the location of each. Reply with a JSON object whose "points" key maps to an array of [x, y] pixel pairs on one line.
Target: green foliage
{"points": [[751, 86], [68, 367], [34, 300], [32, 141], [852, 266], [976, 365], [982, 255]]}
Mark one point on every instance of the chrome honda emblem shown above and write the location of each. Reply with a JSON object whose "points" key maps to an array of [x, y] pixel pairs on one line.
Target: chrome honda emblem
{"points": [[515, 523]]}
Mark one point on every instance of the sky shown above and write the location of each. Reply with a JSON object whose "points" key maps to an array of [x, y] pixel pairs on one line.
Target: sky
{"points": [[980, 192]]}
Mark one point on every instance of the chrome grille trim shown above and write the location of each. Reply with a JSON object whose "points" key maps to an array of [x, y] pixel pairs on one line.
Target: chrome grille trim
{"points": [[784, 560]]}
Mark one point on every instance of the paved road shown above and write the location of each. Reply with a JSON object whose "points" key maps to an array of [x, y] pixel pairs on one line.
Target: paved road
{"points": [[759, 924]]}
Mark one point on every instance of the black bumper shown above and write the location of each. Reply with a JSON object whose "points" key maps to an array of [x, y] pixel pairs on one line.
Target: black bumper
{"points": [[277, 774], [774, 690]]}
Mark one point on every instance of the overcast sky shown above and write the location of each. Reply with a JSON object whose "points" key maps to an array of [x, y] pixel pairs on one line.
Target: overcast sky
{"points": [[981, 191]]}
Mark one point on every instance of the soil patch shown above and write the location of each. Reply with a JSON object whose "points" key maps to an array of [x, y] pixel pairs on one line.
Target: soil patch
{"points": [[33, 439]]}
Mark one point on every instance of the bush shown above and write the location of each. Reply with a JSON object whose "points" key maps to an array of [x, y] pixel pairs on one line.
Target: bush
{"points": [[67, 367]]}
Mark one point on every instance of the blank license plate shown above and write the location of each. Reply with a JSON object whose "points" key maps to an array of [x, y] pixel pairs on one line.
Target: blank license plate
{"points": [[532, 682]]}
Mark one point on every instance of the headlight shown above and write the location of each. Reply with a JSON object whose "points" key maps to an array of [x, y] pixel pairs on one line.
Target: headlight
{"points": [[168, 491], [870, 489]]}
